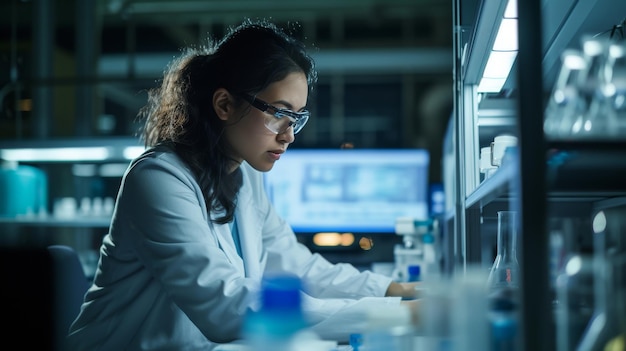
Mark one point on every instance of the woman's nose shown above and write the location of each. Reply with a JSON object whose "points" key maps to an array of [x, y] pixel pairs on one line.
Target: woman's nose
{"points": [[287, 136]]}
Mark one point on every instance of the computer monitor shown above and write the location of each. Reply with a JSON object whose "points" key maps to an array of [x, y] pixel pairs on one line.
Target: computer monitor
{"points": [[349, 190]]}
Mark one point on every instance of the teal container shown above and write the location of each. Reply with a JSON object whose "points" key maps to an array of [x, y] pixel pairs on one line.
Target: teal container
{"points": [[23, 190]]}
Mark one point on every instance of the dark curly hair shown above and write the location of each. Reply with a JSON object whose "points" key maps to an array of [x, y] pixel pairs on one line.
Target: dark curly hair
{"points": [[179, 112]]}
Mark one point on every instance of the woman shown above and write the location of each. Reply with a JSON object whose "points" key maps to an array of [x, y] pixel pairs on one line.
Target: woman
{"points": [[193, 232]]}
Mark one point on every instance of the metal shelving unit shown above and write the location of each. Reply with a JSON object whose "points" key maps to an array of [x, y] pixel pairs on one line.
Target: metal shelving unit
{"points": [[551, 180]]}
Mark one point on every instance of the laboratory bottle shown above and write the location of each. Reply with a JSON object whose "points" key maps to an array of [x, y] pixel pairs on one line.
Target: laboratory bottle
{"points": [[505, 270], [414, 273], [431, 266], [277, 324], [411, 250]]}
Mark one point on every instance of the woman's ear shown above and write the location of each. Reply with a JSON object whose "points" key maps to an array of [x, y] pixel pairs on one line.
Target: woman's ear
{"points": [[223, 104]]}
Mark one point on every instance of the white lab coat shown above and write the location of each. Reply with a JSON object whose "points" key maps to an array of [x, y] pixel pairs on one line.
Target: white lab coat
{"points": [[170, 279]]}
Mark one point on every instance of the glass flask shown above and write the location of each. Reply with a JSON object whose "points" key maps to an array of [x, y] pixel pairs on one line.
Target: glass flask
{"points": [[565, 104], [615, 89], [593, 122], [505, 270], [503, 285]]}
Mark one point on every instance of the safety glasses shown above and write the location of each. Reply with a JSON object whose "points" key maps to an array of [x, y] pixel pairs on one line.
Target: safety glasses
{"points": [[279, 119]]}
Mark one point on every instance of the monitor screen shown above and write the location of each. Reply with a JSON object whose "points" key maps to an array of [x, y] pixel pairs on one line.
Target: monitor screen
{"points": [[349, 190]]}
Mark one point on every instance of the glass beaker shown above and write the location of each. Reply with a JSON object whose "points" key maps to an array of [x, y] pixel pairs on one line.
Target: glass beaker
{"points": [[505, 270]]}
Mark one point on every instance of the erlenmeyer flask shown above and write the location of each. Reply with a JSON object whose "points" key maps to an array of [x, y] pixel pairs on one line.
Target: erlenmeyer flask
{"points": [[503, 285], [505, 270]]}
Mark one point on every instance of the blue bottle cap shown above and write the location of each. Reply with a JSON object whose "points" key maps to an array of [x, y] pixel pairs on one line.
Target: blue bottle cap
{"points": [[356, 341], [414, 270], [281, 293]]}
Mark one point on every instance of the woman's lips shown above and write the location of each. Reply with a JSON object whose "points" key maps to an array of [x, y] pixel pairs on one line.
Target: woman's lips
{"points": [[275, 154]]}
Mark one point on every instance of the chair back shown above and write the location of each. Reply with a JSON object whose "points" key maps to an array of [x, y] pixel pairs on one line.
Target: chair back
{"points": [[71, 284]]}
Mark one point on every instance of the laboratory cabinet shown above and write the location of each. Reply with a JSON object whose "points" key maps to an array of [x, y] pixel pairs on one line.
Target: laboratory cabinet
{"points": [[79, 180], [568, 189]]}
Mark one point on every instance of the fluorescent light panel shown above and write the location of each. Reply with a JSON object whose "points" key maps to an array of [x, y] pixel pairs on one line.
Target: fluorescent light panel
{"points": [[56, 154], [511, 9], [130, 152], [499, 64], [61, 154], [506, 39], [503, 54], [490, 85]]}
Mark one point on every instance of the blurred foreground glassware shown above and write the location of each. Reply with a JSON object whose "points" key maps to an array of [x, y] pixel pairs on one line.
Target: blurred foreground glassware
{"points": [[280, 320], [588, 100], [505, 270], [609, 264], [575, 300], [593, 122]]}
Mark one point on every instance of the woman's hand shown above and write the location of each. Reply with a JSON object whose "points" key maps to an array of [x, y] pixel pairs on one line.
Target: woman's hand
{"points": [[405, 290]]}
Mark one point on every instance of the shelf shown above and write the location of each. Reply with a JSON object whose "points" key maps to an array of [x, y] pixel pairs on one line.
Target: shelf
{"points": [[491, 188], [575, 170], [77, 222], [586, 145], [587, 168]]}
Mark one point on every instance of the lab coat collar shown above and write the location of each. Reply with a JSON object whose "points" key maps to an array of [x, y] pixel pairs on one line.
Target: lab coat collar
{"points": [[249, 224], [227, 244]]}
